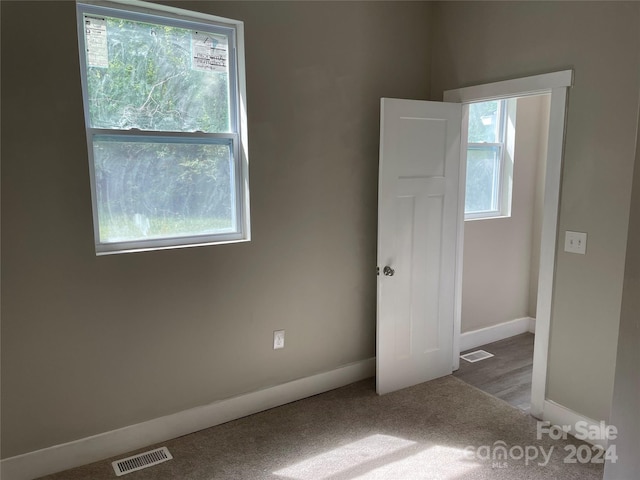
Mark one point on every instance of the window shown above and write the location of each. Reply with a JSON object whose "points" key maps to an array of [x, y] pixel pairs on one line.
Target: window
{"points": [[488, 182], [164, 103]]}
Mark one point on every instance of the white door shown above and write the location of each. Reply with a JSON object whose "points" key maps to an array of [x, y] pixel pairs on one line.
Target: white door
{"points": [[417, 234]]}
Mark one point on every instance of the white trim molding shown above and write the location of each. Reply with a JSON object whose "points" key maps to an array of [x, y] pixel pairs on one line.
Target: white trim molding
{"points": [[576, 424], [518, 87], [548, 246], [482, 336], [116, 442]]}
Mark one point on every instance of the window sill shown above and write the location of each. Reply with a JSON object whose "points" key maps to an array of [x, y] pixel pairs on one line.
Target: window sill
{"points": [[487, 217]]}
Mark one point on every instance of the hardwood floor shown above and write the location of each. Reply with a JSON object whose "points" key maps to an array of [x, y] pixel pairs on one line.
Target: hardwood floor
{"points": [[506, 375]]}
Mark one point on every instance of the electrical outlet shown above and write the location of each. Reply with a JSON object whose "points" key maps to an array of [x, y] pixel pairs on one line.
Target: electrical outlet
{"points": [[278, 339], [575, 242]]}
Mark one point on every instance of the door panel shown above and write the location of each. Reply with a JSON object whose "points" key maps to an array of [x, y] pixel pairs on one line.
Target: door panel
{"points": [[417, 228]]}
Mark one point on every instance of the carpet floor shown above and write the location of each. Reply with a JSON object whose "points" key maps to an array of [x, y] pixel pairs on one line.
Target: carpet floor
{"points": [[352, 433]]}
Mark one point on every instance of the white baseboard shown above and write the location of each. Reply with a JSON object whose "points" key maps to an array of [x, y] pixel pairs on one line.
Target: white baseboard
{"points": [[558, 415], [92, 449], [482, 336]]}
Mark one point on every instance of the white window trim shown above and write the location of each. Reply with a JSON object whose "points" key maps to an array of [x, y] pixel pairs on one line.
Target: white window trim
{"points": [[239, 138]]}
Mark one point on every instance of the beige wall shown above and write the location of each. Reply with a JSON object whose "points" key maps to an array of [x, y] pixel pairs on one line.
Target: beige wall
{"points": [[626, 392], [478, 42], [499, 252], [92, 344]]}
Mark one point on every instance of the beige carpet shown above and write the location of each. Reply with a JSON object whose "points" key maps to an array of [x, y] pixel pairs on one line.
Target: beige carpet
{"points": [[352, 433]]}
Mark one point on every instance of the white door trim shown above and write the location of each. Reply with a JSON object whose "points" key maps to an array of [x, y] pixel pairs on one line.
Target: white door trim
{"points": [[556, 84], [518, 87]]}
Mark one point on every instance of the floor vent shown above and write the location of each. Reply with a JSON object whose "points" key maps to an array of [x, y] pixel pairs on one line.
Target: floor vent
{"points": [[476, 356], [140, 461]]}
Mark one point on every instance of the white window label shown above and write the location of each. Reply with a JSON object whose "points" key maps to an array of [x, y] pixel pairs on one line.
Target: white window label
{"points": [[96, 34], [210, 52]]}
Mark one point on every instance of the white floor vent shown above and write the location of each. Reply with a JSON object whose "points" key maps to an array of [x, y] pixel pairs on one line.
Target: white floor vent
{"points": [[140, 461], [476, 356]]}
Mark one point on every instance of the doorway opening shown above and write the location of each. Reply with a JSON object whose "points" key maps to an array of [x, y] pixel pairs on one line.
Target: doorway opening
{"points": [[421, 231], [556, 84], [506, 157]]}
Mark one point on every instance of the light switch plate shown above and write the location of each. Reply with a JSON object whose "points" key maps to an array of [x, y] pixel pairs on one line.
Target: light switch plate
{"points": [[278, 339], [575, 242]]}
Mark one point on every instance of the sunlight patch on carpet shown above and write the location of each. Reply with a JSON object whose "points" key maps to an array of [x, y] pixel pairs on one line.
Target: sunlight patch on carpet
{"points": [[443, 463], [382, 457], [346, 457]]}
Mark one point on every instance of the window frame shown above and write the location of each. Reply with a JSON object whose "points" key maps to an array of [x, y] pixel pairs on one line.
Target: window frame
{"points": [[237, 136], [500, 192]]}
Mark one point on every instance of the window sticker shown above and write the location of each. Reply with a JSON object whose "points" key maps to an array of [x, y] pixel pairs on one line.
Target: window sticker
{"points": [[96, 40], [209, 52]]}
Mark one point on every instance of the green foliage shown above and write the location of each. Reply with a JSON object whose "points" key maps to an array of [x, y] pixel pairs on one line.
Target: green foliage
{"points": [[123, 228], [483, 162], [482, 179], [478, 131], [178, 183], [149, 188], [150, 83]]}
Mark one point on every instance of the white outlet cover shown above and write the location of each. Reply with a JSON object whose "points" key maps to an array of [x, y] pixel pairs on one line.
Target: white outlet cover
{"points": [[278, 339], [575, 242]]}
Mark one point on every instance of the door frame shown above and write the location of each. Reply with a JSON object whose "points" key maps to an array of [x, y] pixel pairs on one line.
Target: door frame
{"points": [[557, 85]]}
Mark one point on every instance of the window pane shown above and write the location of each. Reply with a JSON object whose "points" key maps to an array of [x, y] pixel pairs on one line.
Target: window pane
{"points": [[484, 122], [148, 190], [483, 174], [156, 77]]}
